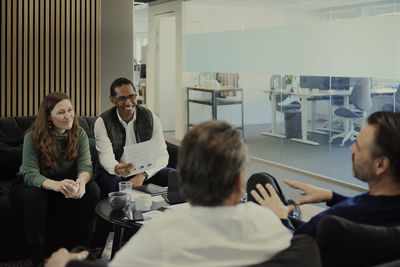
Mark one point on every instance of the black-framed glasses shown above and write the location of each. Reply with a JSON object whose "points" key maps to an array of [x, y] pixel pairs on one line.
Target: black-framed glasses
{"points": [[123, 99]]}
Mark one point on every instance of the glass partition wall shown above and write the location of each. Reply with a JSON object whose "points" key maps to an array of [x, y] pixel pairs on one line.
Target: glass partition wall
{"points": [[302, 66]]}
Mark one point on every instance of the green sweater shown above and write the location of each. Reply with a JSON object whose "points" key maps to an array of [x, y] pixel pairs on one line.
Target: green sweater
{"points": [[66, 169]]}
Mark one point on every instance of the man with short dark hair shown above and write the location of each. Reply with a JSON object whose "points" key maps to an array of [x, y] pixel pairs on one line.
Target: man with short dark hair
{"points": [[125, 124], [376, 160]]}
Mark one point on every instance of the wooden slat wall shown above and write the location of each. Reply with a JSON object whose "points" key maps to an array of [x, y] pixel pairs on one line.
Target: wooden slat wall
{"points": [[48, 46]]}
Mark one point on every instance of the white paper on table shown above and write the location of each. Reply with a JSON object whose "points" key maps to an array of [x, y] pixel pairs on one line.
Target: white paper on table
{"points": [[136, 193], [143, 155], [182, 206], [148, 216], [154, 199], [157, 199]]}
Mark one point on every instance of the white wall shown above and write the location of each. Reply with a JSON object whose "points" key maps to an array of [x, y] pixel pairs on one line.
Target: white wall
{"points": [[358, 47], [166, 73], [156, 10], [252, 39], [116, 45]]}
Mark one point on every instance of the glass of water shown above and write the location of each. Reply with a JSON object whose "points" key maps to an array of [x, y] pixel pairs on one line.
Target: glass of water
{"points": [[126, 186]]}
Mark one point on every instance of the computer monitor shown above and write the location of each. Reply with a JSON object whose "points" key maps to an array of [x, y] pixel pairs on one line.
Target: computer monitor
{"points": [[325, 82], [320, 82], [340, 83]]}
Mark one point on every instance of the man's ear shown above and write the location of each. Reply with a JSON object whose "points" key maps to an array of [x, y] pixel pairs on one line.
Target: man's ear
{"points": [[113, 100], [382, 165], [239, 183]]}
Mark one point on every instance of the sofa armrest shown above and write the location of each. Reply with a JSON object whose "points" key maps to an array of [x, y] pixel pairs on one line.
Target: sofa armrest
{"points": [[173, 154], [346, 243], [303, 251]]}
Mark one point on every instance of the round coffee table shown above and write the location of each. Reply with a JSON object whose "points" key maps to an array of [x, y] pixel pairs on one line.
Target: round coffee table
{"points": [[119, 220]]}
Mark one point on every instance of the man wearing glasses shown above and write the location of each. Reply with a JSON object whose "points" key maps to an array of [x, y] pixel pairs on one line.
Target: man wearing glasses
{"points": [[124, 124]]}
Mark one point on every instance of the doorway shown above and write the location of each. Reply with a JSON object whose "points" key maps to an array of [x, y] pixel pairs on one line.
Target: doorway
{"points": [[166, 70]]}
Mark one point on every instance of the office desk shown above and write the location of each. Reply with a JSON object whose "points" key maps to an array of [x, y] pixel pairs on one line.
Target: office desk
{"points": [[378, 91], [304, 95], [214, 101]]}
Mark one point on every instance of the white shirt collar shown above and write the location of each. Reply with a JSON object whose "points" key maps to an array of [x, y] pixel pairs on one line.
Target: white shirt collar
{"points": [[122, 121]]}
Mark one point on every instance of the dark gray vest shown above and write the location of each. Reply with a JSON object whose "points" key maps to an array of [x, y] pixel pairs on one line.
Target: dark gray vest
{"points": [[143, 128]]}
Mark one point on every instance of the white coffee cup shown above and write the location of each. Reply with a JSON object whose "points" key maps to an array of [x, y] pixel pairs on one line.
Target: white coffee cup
{"points": [[143, 202]]}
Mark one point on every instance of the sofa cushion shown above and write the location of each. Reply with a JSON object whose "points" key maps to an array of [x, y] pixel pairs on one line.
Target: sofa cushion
{"points": [[87, 123], [95, 158], [12, 221], [10, 160], [173, 154], [346, 243], [12, 129]]}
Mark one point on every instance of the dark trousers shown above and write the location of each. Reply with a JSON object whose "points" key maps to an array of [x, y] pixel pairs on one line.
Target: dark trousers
{"points": [[36, 204], [109, 182], [264, 178]]}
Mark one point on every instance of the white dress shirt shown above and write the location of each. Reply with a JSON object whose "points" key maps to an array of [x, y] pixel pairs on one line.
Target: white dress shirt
{"points": [[105, 150], [201, 236]]}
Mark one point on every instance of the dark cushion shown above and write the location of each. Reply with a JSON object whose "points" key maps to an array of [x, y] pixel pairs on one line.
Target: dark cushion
{"points": [[346, 243], [303, 251], [10, 160], [87, 123], [12, 129], [10, 221], [95, 157], [173, 154]]}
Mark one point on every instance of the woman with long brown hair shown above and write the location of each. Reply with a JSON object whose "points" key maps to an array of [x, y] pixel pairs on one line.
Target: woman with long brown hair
{"points": [[55, 174]]}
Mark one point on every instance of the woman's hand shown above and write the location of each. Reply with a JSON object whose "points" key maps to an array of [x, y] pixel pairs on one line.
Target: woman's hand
{"points": [[81, 181], [65, 186], [81, 189]]}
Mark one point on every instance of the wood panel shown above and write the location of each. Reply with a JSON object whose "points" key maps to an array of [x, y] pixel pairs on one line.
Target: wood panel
{"points": [[48, 46], [9, 54], [2, 56]]}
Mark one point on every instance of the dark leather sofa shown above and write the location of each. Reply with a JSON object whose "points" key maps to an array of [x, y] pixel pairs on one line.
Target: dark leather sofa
{"points": [[346, 243], [12, 245]]}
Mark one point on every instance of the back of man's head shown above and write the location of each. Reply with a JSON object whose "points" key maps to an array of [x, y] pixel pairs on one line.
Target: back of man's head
{"points": [[387, 139], [210, 159]]}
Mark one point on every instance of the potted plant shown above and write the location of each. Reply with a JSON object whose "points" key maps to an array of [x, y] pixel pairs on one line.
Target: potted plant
{"points": [[289, 79]]}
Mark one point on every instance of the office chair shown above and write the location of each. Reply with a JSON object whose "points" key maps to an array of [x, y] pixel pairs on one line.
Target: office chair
{"points": [[276, 84], [361, 98], [336, 83], [395, 106]]}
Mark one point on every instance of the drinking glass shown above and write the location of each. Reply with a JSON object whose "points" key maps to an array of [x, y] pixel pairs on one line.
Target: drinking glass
{"points": [[126, 186]]}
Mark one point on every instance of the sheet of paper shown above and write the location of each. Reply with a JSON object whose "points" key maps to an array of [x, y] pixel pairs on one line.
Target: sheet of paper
{"points": [[142, 155], [150, 215], [157, 199], [136, 193], [182, 206]]}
